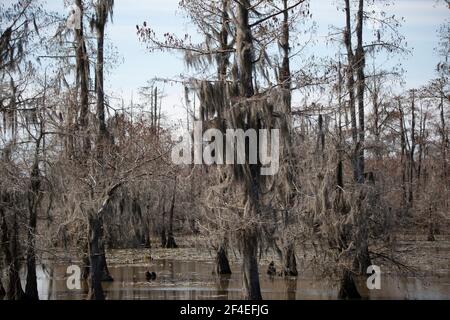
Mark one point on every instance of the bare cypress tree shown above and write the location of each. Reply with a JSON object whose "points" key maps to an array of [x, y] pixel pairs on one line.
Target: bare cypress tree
{"points": [[222, 263], [99, 267], [356, 64], [248, 238], [285, 81]]}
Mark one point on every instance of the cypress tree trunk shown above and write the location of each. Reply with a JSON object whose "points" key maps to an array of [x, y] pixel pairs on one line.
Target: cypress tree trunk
{"points": [[250, 265], [249, 236], [285, 71], [362, 258], [356, 64], [15, 291], [83, 78], [171, 244], [223, 60], [2, 290], [9, 240], [86, 263], [31, 289], [348, 290], [95, 259], [163, 228], [103, 9], [431, 229], [351, 84], [163, 237], [106, 276], [445, 140], [102, 130], [222, 263], [290, 262], [285, 80], [361, 87], [412, 151], [403, 153]]}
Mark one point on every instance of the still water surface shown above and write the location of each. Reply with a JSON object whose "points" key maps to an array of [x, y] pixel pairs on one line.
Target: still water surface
{"points": [[193, 280]]}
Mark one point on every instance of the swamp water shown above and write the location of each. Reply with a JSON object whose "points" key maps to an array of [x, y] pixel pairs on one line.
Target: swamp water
{"points": [[193, 280]]}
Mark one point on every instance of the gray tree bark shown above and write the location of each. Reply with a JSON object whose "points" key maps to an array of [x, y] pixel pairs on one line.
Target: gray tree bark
{"points": [[95, 258], [356, 64], [83, 79], [10, 248], [171, 244], [222, 263], [249, 236], [34, 198]]}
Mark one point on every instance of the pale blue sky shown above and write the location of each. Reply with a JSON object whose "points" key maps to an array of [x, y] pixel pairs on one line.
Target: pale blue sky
{"points": [[423, 18]]}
